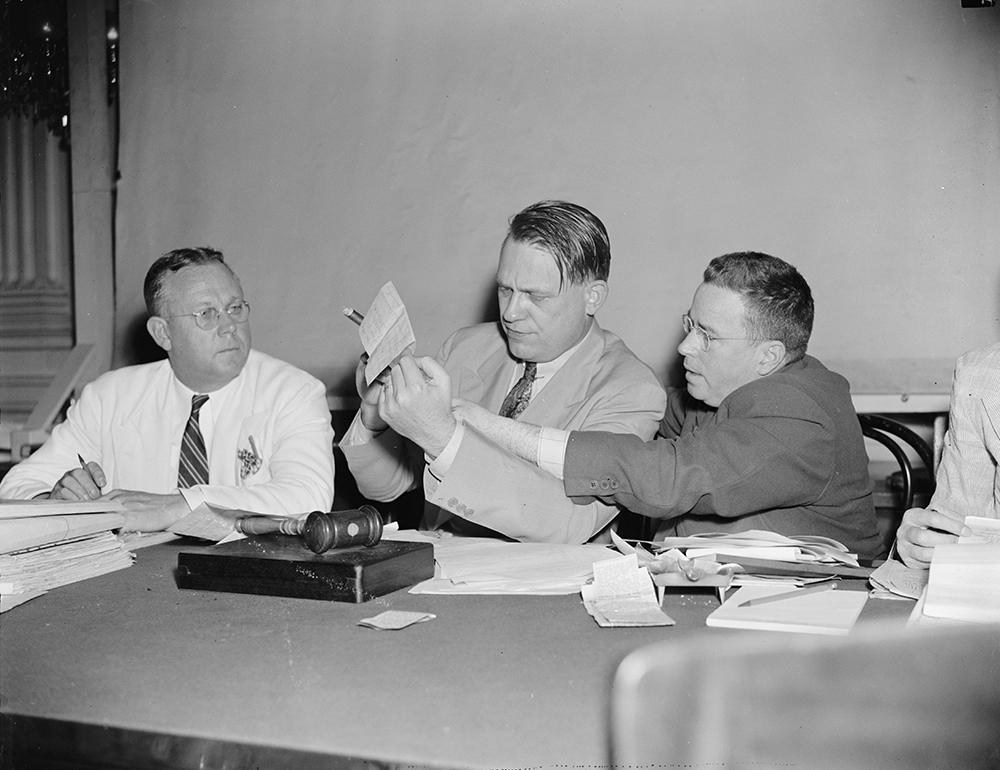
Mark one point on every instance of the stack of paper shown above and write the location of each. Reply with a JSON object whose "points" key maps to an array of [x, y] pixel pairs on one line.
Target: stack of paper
{"points": [[964, 583], [760, 544], [482, 565], [754, 557], [49, 543]]}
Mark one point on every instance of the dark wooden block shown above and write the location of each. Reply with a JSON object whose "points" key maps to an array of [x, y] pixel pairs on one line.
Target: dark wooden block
{"points": [[281, 565]]}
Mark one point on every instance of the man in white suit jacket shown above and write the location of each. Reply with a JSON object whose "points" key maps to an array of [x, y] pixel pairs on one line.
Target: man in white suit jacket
{"points": [[968, 480], [266, 424], [551, 281]]}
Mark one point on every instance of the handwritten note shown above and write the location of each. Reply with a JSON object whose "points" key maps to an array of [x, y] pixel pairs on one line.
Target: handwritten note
{"points": [[622, 594], [983, 530], [386, 332]]}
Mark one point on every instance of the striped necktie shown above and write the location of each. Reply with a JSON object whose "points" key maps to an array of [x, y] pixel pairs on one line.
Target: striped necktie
{"points": [[193, 466], [520, 394]]}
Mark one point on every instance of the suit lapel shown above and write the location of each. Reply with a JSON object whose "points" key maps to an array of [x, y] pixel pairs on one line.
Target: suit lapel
{"points": [[568, 387], [487, 384]]}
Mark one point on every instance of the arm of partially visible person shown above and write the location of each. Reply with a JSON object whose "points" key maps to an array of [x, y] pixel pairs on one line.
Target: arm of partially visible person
{"points": [[383, 463], [965, 480], [297, 453], [493, 487], [775, 454]]}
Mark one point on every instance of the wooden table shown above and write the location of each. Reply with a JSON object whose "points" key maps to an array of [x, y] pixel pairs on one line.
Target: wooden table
{"points": [[127, 670]]}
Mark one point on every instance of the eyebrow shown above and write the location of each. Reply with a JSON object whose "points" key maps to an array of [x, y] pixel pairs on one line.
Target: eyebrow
{"points": [[708, 328], [524, 289]]}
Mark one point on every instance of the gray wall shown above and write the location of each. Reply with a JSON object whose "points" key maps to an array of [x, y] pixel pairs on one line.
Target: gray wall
{"points": [[330, 146]]}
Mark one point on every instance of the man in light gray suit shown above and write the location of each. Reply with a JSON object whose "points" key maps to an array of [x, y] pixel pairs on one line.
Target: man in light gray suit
{"points": [[547, 362]]}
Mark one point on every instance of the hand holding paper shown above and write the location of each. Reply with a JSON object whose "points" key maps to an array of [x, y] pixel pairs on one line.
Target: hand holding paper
{"points": [[385, 332], [416, 403]]}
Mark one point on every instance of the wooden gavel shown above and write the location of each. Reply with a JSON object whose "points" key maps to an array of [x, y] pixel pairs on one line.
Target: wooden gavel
{"points": [[321, 531]]}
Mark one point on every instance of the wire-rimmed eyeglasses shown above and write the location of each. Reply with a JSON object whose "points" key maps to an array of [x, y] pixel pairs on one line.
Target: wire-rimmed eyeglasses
{"points": [[208, 318], [706, 338]]}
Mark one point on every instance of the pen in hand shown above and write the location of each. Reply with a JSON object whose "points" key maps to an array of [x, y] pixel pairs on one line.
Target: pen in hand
{"points": [[816, 588], [83, 464]]}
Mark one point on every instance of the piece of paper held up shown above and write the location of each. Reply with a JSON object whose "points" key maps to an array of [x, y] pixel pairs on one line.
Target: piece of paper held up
{"points": [[622, 595], [386, 332]]}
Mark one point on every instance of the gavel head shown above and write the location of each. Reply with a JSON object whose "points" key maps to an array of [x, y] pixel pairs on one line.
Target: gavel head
{"points": [[340, 529]]}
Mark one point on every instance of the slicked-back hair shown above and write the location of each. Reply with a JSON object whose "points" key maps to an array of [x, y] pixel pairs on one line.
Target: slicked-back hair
{"points": [[778, 301], [575, 237], [171, 262]]}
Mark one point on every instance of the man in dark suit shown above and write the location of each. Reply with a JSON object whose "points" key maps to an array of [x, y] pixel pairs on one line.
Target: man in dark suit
{"points": [[763, 437]]}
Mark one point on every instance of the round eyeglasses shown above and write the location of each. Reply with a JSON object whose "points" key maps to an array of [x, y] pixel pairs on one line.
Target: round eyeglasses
{"points": [[705, 338], [208, 318]]}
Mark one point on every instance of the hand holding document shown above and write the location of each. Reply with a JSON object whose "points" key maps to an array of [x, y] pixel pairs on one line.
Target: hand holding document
{"points": [[385, 331]]}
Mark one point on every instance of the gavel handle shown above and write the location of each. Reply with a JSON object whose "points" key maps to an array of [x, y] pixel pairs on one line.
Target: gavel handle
{"points": [[265, 525]]}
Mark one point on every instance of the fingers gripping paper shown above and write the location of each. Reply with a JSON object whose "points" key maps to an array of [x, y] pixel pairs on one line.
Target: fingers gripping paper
{"points": [[385, 332]]}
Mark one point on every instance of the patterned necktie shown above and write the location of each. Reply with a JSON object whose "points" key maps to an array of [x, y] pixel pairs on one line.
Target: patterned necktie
{"points": [[520, 394], [193, 467]]}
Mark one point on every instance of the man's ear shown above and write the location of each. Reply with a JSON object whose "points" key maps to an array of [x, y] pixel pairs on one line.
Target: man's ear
{"points": [[597, 293], [159, 330], [772, 358]]}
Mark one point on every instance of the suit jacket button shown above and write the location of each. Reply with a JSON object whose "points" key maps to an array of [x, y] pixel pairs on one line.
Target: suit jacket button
{"points": [[614, 483], [604, 484], [460, 507], [469, 512], [593, 484], [452, 503]]}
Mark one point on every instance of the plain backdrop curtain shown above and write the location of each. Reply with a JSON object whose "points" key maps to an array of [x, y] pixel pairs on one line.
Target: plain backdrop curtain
{"points": [[328, 146]]}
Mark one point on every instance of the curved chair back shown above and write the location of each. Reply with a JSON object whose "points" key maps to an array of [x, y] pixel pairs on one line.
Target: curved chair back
{"points": [[892, 435]]}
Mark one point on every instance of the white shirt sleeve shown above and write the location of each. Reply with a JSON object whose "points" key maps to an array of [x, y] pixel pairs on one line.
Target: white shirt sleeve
{"points": [[552, 450]]}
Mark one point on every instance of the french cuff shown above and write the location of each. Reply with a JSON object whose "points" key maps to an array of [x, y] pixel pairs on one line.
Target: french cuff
{"points": [[357, 433], [441, 464], [193, 496], [552, 450]]}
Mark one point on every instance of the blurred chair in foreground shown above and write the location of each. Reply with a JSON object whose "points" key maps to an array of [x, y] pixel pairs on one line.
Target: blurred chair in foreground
{"points": [[883, 697]]}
